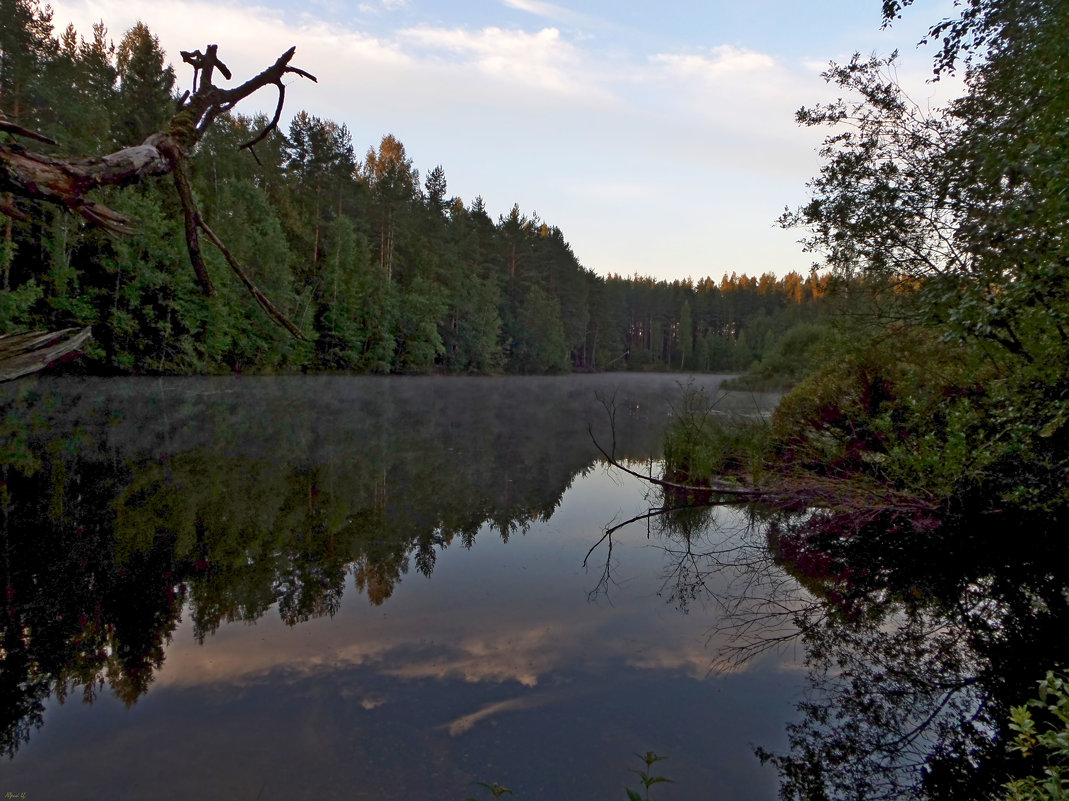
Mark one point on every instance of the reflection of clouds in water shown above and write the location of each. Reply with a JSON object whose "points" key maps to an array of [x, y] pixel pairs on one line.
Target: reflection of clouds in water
{"points": [[526, 657], [465, 722], [694, 664], [522, 656], [515, 612]]}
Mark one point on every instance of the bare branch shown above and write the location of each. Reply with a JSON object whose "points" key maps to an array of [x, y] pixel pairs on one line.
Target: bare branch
{"points": [[260, 297], [9, 127], [192, 220], [67, 182]]}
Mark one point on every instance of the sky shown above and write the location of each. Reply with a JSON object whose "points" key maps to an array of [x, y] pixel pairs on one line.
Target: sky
{"points": [[659, 137]]}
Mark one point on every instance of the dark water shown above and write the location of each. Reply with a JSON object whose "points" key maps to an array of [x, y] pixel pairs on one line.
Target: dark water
{"points": [[374, 588], [336, 588]]}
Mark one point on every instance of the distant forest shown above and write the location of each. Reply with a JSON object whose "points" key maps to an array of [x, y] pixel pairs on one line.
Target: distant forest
{"points": [[381, 269]]}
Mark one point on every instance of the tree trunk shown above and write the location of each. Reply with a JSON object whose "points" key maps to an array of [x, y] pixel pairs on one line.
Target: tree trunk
{"points": [[22, 354]]}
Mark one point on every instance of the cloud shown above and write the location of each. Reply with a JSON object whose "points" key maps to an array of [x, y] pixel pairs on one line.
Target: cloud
{"points": [[538, 8], [542, 59], [249, 37], [464, 723], [523, 650], [724, 61], [536, 115], [558, 14], [382, 5]]}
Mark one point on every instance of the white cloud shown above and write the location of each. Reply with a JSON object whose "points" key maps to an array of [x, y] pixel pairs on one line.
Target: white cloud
{"points": [[542, 59], [538, 8], [557, 13], [724, 61], [249, 37]]}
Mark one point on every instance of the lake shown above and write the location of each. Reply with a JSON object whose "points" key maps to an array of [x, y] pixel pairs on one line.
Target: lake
{"points": [[336, 587]]}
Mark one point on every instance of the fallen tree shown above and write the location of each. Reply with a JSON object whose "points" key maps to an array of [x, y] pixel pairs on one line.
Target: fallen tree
{"points": [[26, 175], [22, 354]]}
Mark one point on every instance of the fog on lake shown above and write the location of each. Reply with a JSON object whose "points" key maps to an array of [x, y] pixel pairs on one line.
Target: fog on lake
{"points": [[372, 588]]}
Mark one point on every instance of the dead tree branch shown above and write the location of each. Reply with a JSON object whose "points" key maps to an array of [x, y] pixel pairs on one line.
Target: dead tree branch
{"points": [[68, 182], [739, 494], [22, 354]]}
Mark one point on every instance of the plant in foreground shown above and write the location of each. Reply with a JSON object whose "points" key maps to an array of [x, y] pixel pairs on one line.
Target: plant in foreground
{"points": [[646, 777], [496, 790], [1053, 702]]}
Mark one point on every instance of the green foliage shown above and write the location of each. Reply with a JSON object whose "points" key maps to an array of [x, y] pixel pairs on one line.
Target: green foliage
{"points": [[242, 334], [381, 275], [897, 403], [496, 790], [646, 776], [15, 306], [340, 335], [703, 442], [540, 346], [144, 100], [952, 217], [476, 343], [418, 340], [1049, 740], [149, 303], [789, 358]]}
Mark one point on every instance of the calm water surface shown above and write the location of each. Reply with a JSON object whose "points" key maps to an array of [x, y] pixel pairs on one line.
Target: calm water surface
{"points": [[361, 588]]}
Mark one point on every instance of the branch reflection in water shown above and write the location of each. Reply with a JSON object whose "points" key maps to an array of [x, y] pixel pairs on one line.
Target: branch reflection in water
{"points": [[917, 640], [718, 557], [142, 519]]}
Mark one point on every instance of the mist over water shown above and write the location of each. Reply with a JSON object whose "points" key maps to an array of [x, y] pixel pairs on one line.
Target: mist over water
{"points": [[365, 588]]}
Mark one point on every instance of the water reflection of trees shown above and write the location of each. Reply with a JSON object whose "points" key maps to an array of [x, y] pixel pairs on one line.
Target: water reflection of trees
{"points": [[916, 641], [935, 635], [125, 502], [716, 558]]}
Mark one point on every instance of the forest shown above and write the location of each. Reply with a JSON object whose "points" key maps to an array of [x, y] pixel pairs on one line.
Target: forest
{"points": [[378, 266], [914, 482]]}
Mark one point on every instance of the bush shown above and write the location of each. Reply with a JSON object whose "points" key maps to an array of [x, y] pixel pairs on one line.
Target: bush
{"points": [[702, 442], [900, 406], [1052, 743]]}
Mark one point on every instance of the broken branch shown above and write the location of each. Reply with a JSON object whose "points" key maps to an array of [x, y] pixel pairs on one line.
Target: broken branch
{"points": [[67, 182]]}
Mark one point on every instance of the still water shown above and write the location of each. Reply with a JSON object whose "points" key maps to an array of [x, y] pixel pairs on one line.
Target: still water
{"points": [[357, 588]]}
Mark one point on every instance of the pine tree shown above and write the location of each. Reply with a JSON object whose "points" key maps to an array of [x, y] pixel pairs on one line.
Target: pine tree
{"points": [[394, 185], [146, 87]]}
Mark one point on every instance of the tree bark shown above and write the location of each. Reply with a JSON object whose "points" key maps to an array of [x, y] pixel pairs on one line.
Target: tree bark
{"points": [[66, 182], [22, 354]]}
